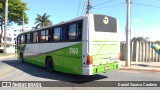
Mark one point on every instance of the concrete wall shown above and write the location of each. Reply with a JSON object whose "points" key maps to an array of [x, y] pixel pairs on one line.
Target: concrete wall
{"points": [[140, 52]]}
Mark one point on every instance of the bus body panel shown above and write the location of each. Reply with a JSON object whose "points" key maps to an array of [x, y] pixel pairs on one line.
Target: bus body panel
{"points": [[67, 57], [105, 44], [102, 46]]}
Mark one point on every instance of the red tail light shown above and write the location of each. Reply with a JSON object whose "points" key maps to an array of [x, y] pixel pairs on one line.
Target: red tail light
{"points": [[89, 60]]}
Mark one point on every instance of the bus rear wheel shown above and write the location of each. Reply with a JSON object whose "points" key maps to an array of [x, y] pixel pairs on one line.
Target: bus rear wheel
{"points": [[49, 64]]}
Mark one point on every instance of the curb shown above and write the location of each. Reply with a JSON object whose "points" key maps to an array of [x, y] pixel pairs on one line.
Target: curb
{"points": [[140, 69]]}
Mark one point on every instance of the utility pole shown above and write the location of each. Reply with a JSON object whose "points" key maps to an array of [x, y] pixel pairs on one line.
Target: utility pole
{"points": [[128, 34], [5, 26], [88, 7]]}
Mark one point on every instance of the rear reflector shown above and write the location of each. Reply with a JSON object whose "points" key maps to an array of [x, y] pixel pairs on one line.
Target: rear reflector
{"points": [[89, 60]]}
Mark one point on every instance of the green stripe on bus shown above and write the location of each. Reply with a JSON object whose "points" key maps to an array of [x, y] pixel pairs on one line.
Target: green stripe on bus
{"points": [[65, 60]]}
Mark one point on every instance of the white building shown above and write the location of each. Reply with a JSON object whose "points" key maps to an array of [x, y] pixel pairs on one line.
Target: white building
{"points": [[12, 33]]}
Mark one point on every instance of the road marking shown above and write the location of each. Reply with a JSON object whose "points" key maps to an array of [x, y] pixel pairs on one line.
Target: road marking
{"points": [[129, 71]]}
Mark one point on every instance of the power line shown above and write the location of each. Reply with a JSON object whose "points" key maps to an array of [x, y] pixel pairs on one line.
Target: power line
{"points": [[131, 3], [111, 6], [79, 7], [145, 5], [83, 7], [103, 3]]}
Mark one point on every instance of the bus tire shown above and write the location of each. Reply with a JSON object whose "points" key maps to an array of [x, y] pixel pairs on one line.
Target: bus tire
{"points": [[49, 64], [21, 58]]}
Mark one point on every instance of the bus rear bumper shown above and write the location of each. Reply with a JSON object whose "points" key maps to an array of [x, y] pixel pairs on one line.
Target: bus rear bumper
{"points": [[105, 67], [92, 70], [88, 70]]}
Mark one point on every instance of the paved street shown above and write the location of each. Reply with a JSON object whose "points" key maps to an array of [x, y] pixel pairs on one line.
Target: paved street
{"points": [[14, 70]]}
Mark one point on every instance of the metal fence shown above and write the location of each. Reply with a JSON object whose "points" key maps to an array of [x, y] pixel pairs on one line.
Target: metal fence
{"points": [[140, 52]]}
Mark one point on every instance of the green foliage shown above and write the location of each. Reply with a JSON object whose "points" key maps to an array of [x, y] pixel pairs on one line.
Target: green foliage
{"points": [[43, 20], [16, 11]]}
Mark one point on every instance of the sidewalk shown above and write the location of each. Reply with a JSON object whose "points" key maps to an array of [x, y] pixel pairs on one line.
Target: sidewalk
{"points": [[142, 66], [7, 56]]}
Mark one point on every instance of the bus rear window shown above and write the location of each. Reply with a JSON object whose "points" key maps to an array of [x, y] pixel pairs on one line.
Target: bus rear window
{"points": [[105, 23]]}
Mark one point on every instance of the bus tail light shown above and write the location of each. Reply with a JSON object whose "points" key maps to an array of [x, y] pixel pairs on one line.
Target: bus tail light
{"points": [[89, 60]]}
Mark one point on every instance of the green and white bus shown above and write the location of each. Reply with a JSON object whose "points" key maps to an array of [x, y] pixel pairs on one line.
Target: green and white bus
{"points": [[86, 45]]}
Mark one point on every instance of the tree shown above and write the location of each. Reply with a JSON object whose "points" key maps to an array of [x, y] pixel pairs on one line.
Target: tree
{"points": [[43, 20], [138, 39], [16, 11]]}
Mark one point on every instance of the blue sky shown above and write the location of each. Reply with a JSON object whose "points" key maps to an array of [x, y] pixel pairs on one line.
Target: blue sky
{"points": [[145, 14]]}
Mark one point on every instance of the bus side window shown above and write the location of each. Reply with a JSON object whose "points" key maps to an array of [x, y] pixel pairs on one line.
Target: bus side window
{"points": [[56, 34], [72, 32], [35, 37], [75, 31], [43, 38], [28, 38]]}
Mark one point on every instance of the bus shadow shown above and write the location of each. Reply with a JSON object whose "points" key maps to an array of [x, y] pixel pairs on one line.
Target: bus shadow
{"points": [[42, 73]]}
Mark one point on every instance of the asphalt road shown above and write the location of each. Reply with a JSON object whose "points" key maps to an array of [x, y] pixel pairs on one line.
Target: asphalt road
{"points": [[14, 70]]}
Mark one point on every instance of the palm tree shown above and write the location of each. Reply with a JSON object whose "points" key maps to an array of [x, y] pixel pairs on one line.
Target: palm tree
{"points": [[43, 20]]}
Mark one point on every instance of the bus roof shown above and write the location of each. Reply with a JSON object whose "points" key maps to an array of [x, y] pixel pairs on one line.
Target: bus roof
{"points": [[62, 23]]}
